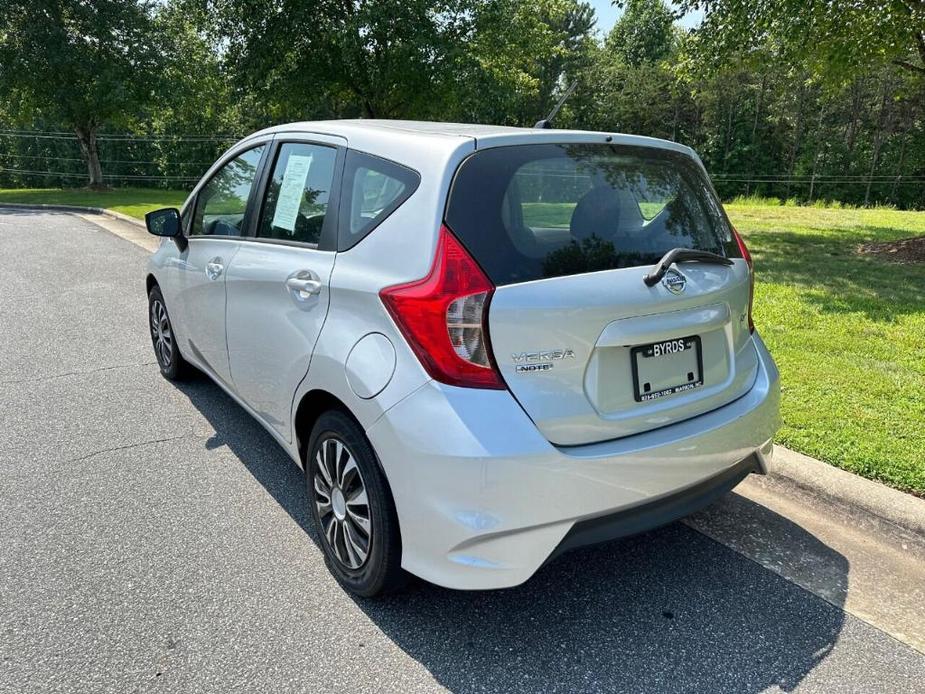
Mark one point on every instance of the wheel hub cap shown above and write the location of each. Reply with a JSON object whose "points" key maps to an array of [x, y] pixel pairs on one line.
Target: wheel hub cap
{"points": [[161, 334], [338, 504], [343, 506]]}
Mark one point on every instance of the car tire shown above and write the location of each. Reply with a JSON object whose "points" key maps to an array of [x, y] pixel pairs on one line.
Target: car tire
{"points": [[163, 338], [352, 507]]}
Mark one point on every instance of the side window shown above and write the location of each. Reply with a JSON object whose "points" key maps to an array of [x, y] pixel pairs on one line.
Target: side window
{"points": [[373, 188], [298, 193], [222, 202]]}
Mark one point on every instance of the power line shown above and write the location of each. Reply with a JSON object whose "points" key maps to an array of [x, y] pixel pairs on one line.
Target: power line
{"points": [[901, 180], [108, 161], [116, 138], [821, 177], [65, 174]]}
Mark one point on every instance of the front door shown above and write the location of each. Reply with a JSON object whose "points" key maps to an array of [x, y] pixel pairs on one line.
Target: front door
{"points": [[277, 283], [219, 218]]}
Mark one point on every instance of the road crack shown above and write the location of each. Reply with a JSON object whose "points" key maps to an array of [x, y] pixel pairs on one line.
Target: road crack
{"points": [[53, 377], [129, 446]]}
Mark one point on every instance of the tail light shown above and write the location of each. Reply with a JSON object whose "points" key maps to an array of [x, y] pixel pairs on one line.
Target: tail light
{"points": [[751, 278], [444, 317]]}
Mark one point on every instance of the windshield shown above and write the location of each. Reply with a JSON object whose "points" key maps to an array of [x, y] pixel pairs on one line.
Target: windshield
{"points": [[537, 211]]}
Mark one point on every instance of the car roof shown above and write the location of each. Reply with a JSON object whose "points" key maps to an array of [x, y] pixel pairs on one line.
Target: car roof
{"points": [[382, 136]]}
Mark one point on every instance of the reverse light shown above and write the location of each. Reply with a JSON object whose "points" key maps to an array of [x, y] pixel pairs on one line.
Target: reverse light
{"points": [[444, 317], [751, 277]]}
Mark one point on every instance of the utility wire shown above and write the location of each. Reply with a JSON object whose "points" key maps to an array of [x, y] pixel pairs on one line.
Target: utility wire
{"points": [[84, 175], [900, 180], [118, 138], [108, 161], [759, 177]]}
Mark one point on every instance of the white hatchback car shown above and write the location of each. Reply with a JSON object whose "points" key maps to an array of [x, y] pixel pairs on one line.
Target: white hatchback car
{"points": [[484, 345]]}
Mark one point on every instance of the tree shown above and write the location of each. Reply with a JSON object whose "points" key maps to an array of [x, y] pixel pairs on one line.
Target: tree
{"points": [[520, 57], [497, 60], [836, 37], [317, 58], [643, 34], [196, 95], [631, 83], [84, 65]]}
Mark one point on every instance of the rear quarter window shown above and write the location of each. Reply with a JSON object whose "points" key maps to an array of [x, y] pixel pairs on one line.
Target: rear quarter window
{"points": [[537, 211], [372, 189]]}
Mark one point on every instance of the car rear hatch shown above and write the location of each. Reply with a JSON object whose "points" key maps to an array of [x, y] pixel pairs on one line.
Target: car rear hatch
{"points": [[567, 234]]}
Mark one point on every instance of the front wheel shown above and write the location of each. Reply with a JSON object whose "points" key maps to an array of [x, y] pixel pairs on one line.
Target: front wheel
{"points": [[352, 507], [171, 362]]}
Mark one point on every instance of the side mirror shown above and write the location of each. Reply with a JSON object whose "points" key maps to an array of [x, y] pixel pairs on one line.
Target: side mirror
{"points": [[166, 222]]}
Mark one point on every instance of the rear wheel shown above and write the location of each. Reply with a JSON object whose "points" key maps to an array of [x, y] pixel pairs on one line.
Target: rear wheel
{"points": [[352, 507], [163, 338]]}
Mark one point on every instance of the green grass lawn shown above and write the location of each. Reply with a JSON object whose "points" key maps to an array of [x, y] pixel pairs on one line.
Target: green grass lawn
{"points": [[558, 215], [134, 202], [848, 331]]}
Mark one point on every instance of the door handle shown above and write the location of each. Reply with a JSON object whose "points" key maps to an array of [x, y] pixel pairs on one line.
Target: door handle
{"points": [[303, 287], [214, 268]]}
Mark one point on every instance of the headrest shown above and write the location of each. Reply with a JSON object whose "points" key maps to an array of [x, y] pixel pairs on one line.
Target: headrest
{"points": [[597, 213]]}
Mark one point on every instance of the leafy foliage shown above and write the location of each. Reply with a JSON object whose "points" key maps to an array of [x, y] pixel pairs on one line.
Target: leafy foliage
{"points": [[426, 59], [81, 64], [838, 37], [779, 97], [765, 120], [643, 34], [78, 62]]}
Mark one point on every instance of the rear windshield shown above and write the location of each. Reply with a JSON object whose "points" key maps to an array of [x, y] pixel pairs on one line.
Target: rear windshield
{"points": [[535, 211]]}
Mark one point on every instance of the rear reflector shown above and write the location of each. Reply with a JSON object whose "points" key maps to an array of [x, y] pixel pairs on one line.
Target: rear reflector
{"points": [[751, 277], [444, 317]]}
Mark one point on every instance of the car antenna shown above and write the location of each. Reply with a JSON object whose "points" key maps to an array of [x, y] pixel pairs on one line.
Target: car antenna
{"points": [[546, 122]]}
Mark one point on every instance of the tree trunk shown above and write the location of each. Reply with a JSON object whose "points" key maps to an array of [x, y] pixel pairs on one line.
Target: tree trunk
{"points": [[899, 170], [86, 138], [820, 138], [758, 104], [727, 135], [674, 122], [368, 108], [852, 129], [797, 138], [878, 141]]}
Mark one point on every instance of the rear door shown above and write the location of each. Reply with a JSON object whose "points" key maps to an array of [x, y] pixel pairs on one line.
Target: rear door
{"points": [[567, 233], [278, 283]]}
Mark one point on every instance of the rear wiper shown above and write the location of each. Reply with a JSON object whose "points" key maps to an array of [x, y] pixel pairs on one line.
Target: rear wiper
{"points": [[680, 255]]}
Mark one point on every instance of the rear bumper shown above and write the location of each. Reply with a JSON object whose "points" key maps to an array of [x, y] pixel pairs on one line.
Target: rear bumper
{"points": [[484, 500], [653, 514]]}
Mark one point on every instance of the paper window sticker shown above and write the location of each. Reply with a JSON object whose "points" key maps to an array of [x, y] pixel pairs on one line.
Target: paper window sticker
{"points": [[291, 190]]}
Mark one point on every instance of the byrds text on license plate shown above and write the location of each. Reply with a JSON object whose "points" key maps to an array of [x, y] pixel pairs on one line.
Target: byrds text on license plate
{"points": [[667, 367]]}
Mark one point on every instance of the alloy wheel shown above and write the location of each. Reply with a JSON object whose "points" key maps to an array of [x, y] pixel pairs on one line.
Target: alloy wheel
{"points": [[161, 333], [342, 503]]}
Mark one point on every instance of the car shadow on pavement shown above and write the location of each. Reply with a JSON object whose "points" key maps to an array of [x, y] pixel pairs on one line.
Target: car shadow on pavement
{"points": [[670, 610]]}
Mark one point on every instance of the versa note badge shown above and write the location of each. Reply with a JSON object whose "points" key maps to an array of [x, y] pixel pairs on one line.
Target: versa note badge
{"points": [[674, 281], [530, 362]]}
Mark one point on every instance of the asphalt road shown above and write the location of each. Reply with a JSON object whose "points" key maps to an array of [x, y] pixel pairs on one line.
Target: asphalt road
{"points": [[154, 538]]}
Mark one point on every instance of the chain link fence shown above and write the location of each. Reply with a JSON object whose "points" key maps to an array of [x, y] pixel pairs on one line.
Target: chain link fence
{"points": [[51, 159], [48, 159]]}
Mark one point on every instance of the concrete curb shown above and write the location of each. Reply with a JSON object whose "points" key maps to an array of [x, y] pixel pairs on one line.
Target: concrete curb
{"points": [[72, 208], [855, 494]]}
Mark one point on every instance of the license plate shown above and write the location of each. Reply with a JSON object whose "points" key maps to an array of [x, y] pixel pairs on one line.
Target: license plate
{"points": [[665, 368]]}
